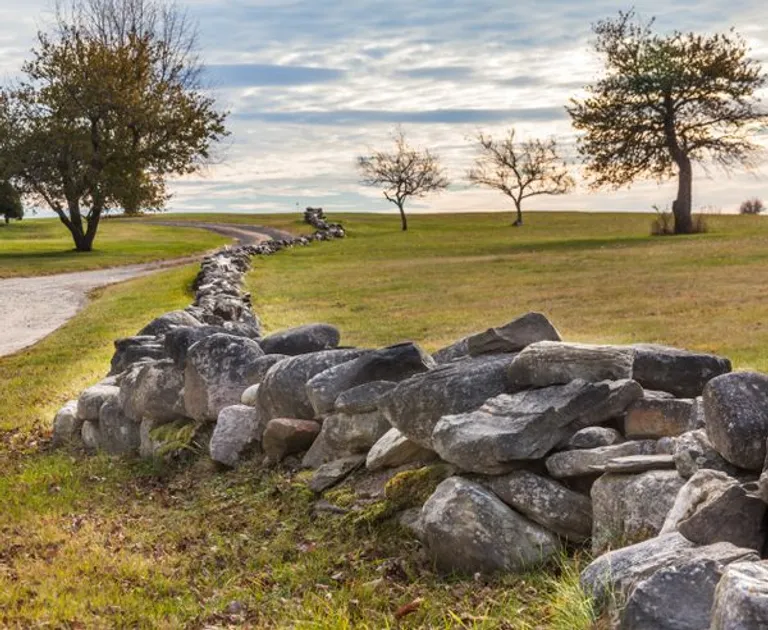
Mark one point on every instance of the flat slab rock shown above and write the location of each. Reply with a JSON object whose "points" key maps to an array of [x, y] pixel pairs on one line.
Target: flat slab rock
{"points": [[333, 472], [302, 340], [741, 598], [637, 464], [594, 437], [514, 336], [393, 449], [583, 462], [655, 417]]}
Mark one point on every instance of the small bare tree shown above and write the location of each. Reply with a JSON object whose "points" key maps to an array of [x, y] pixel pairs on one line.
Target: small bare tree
{"points": [[404, 173], [520, 170]]}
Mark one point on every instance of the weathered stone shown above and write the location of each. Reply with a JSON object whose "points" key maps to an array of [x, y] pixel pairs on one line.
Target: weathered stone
{"points": [[594, 437], [634, 464], [713, 507], [583, 462], [736, 409], [679, 372], [167, 322], [652, 417], [457, 350], [514, 336], [91, 435], [91, 400], [698, 417], [468, 529], [363, 398], [410, 520], [302, 340], [527, 425], [286, 436], [554, 363], [152, 390], [67, 427], [350, 434], [546, 502], [250, 396], [177, 341], [394, 363], [417, 403], [238, 431], [741, 597], [333, 472], [630, 508], [693, 451], [118, 434], [131, 350], [393, 449], [283, 390], [218, 370]]}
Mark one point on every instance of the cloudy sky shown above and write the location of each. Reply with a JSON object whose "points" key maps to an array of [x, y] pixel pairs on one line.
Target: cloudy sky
{"points": [[311, 84]]}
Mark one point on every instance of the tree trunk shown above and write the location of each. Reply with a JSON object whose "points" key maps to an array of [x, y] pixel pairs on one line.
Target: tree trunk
{"points": [[681, 207], [519, 220], [403, 220]]}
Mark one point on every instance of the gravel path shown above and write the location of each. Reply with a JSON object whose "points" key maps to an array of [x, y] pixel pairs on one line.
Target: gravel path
{"points": [[32, 308]]}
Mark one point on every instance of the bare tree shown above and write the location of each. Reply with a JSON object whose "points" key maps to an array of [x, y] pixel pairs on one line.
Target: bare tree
{"points": [[404, 173], [520, 170]]}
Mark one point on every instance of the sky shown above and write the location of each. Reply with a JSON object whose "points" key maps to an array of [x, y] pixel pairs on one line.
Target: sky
{"points": [[312, 84]]}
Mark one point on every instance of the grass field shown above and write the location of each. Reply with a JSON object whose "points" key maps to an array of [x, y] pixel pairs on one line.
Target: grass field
{"points": [[95, 542]]}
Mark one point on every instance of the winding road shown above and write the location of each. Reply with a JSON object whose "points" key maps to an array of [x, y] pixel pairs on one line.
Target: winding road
{"points": [[32, 308]]}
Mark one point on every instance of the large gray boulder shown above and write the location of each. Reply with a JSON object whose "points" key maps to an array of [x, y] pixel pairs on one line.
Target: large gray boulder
{"points": [[167, 322], [90, 434], [529, 424], [457, 350], [286, 436], [546, 502], [468, 529], [394, 363], [741, 598], [554, 363], [91, 400], [131, 350], [363, 398], [177, 341], [238, 432], [417, 403], [693, 452], [302, 340], [343, 435], [676, 371], [218, 370], [152, 390], [67, 427], [118, 434], [583, 462], [657, 417], [736, 410], [283, 392], [629, 508], [393, 449], [514, 336]]}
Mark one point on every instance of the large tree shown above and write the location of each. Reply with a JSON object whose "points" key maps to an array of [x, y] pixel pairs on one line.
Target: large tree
{"points": [[111, 106], [403, 173], [665, 102], [520, 170]]}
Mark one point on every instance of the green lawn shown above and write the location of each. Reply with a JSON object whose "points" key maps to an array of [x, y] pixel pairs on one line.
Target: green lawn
{"points": [[95, 542]]}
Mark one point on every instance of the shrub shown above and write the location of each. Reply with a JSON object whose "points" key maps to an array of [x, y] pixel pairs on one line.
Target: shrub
{"points": [[752, 206], [664, 223]]}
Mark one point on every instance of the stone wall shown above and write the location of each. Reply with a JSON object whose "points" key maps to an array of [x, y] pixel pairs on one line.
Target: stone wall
{"points": [[652, 456]]}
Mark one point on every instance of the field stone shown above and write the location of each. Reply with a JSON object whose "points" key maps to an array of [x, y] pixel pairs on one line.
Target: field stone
{"points": [[635, 464], [457, 350], [393, 449], [130, 350], [514, 336], [67, 427], [546, 502], [741, 598], [354, 433], [555, 363], [238, 430], [652, 417], [168, 321], [286, 436], [153, 389], [302, 340], [468, 529], [693, 452], [118, 434], [594, 437], [250, 396], [333, 472], [177, 341], [91, 400], [582, 462], [91, 435], [736, 410], [362, 398]]}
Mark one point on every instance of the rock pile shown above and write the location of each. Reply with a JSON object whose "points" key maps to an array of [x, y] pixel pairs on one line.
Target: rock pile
{"points": [[316, 218], [652, 455]]}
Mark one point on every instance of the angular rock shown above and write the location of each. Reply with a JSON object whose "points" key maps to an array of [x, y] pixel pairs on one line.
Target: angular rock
{"points": [[546, 502], [333, 472], [693, 452], [393, 449], [67, 427], [218, 370], [594, 437], [167, 322], [91, 400], [468, 529], [283, 389], [514, 336], [417, 403], [736, 410], [118, 434], [286, 436], [238, 431], [583, 462], [363, 398], [177, 341], [344, 435], [635, 464], [302, 340], [131, 350], [152, 390], [457, 350], [393, 363], [527, 425], [554, 363], [652, 417], [630, 508], [676, 371], [741, 598]]}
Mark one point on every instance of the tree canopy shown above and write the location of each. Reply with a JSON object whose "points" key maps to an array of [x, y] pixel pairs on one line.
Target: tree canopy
{"points": [[665, 102], [10, 202]]}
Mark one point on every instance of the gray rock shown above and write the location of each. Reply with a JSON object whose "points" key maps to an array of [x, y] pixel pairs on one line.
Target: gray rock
{"points": [[218, 370], [583, 462], [363, 398], [634, 464], [250, 396], [302, 340], [514, 336], [417, 403], [741, 598], [554, 363], [736, 409], [91, 435], [283, 390], [91, 400], [67, 427], [286, 436], [131, 350], [594, 437], [152, 390], [468, 529], [393, 449], [343, 435], [679, 372], [698, 418], [118, 434], [333, 472], [527, 425], [167, 322], [177, 341], [238, 431], [410, 520], [393, 363], [630, 508], [457, 350], [546, 502], [693, 452], [653, 417]]}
